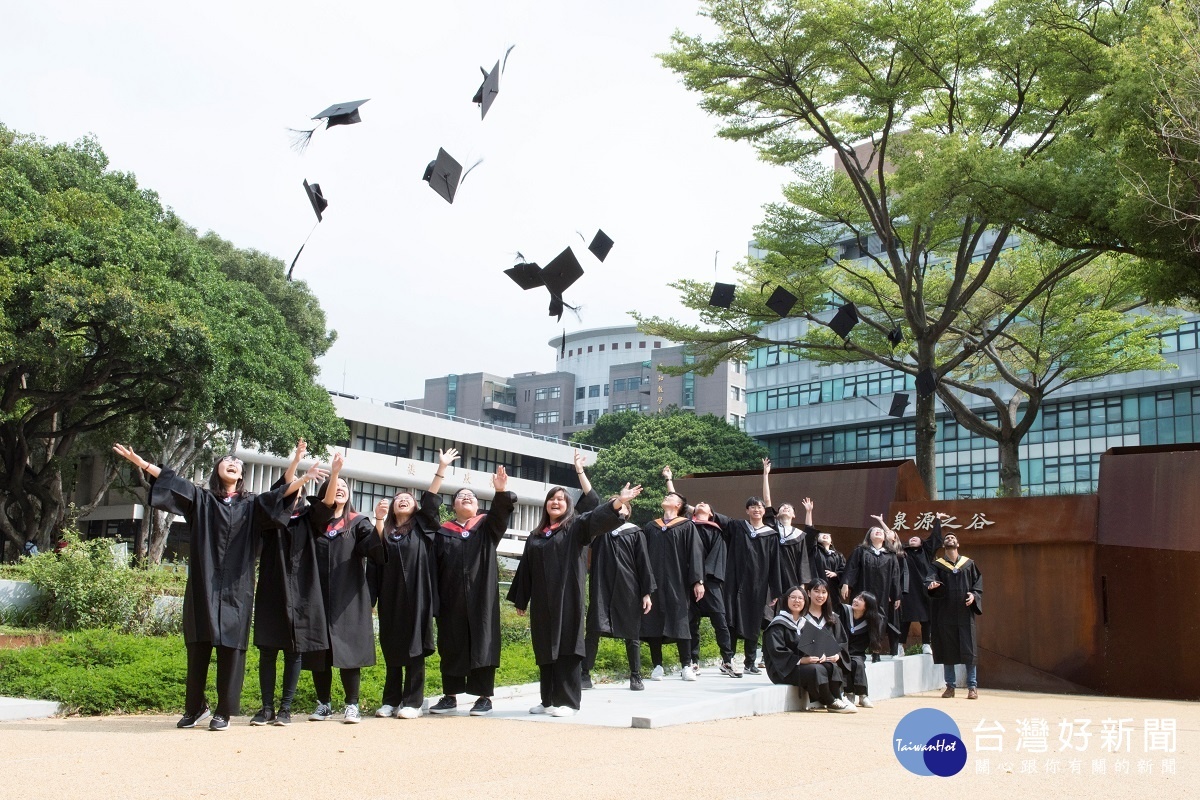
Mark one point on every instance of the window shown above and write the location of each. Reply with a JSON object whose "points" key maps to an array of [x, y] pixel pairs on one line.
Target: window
{"points": [[486, 459], [657, 345], [580, 392], [618, 385], [452, 395], [615, 345], [545, 417], [378, 439], [641, 345], [546, 393], [367, 495], [601, 348], [735, 393], [606, 390], [593, 415], [689, 383], [589, 348], [629, 345], [570, 353], [618, 407], [578, 417], [594, 390]]}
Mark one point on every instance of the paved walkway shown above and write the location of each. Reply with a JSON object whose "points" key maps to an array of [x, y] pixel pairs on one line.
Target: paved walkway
{"points": [[781, 755]]}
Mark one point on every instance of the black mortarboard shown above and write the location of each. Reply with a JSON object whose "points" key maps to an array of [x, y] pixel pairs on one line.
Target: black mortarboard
{"points": [[527, 276], [443, 175], [844, 320], [600, 245], [341, 114], [722, 295], [781, 301], [560, 273], [926, 383], [895, 336], [319, 203], [562, 347], [899, 405], [487, 90]]}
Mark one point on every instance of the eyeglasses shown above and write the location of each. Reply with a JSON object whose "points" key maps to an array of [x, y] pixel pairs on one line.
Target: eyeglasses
{"points": [[234, 459], [465, 496]]}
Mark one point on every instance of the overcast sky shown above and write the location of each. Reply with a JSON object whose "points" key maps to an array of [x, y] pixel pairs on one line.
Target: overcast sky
{"points": [[589, 131]]}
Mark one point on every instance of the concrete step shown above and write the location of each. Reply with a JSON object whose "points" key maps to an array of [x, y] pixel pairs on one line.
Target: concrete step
{"points": [[15, 708]]}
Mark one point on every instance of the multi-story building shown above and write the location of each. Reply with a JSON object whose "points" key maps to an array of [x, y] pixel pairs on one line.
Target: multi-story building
{"points": [[597, 371], [393, 447]]}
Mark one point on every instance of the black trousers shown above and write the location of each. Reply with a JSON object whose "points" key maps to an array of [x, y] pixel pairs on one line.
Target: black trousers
{"points": [[266, 676], [750, 649], [480, 681], [926, 631], [720, 628], [562, 682], [656, 646], [823, 682], [633, 652], [351, 684], [231, 671], [404, 682]]}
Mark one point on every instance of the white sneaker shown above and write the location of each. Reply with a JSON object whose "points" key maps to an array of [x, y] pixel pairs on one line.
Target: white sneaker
{"points": [[839, 706], [687, 674], [408, 713], [561, 711], [865, 702], [657, 673], [696, 669], [386, 711], [541, 709], [900, 651], [926, 649], [350, 715]]}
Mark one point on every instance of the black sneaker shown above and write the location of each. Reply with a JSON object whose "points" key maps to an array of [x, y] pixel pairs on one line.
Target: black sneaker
{"points": [[218, 723], [482, 707], [752, 670], [635, 683], [192, 720], [587, 680], [727, 669], [265, 716], [284, 717], [447, 704]]}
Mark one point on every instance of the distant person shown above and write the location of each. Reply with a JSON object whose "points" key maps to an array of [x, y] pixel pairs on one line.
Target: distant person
{"points": [[30, 549], [955, 588]]}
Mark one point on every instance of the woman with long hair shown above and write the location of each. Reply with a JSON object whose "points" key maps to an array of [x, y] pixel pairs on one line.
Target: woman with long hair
{"points": [[865, 633], [875, 567], [226, 523], [551, 581], [406, 587], [344, 540], [800, 653]]}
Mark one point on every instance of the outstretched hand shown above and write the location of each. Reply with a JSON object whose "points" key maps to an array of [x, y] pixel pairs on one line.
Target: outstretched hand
{"points": [[766, 466], [447, 457], [336, 464], [500, 479], [126, 452], [807, 503], [666, 473], [628, 494]]}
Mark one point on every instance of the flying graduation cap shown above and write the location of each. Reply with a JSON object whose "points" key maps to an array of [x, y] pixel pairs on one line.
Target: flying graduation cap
{"points": [[895, 336], [722, 295], [600, 245], [926, 382], [319, 203], [558, 276], [337, 114], [844, 320], [526, 275], [444, 175], [781, 301], [899, 405], [488, 90]]}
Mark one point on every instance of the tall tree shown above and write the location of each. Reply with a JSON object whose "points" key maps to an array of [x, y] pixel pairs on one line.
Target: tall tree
{"points": [[937, 114]]}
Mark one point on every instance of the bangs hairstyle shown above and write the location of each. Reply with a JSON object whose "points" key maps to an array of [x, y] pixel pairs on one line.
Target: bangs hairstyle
{"points": [[755, 501], [827, 611], [565, 519], [324, 487], [867, 537], [214, 480], [876, 630], [783, 598], [390, 525]]}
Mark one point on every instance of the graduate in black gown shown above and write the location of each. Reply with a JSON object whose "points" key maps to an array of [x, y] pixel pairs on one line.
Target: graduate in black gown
{"points": [[803, 651], [827, 562], [288, 620], [344, 540], [677, 558], [468, 614], [795, 543], [874, 567], [619, 588], [713, 605], [866, 632], [405, 587], [551, 583], [753, 582], [226, 523], [955, 587], [914, 605]]}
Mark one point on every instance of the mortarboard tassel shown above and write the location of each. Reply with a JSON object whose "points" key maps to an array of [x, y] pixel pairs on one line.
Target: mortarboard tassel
{"points": [[301, 138]]}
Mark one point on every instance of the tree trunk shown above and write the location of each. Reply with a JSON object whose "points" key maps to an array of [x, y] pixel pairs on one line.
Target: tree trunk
{"points": [[160, 527], [1010, 465], [926, 442]]}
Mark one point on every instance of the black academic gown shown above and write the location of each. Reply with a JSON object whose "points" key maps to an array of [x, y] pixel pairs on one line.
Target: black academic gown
{"points": [[551, 582], [822, 560], [716, 561], [753, 578], [406, 586], [342, 547], [879, 574], [795, 567], [858, 643], [468, 620], [677, 560], [953, 621], [226, 534], [288, 612], [914, 606], [620, 577], [781, 649]]}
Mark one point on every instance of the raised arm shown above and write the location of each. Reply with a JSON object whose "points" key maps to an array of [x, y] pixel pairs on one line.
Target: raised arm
{"points": [[496, 520], [936, 539], [808, 509], [126, 452], [766, 482], [445, 459], [315, 473], [335, 471], [289, 474], [669, 475], [585, 485], [601, 520]]}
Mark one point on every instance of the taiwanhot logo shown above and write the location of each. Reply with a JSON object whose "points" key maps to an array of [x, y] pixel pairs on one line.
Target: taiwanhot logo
{"points": [[927, 742]]}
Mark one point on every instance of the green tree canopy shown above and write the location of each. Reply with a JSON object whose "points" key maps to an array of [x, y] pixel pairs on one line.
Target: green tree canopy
{"points": [[679, 439]]}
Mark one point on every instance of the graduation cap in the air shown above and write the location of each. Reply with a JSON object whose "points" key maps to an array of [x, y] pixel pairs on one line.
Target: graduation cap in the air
{"points": [[527, 276], [444, 174], [844, 320], [781, 301], [895, 336], [926, 382], [562, 347], [336, 114], [722, 295], [319, 203], [487, 90], [558, 276], [600, 245], [899, 405]]}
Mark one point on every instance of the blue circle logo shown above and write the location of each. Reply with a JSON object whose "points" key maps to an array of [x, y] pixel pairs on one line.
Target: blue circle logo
{"points": [[928, 742]]}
